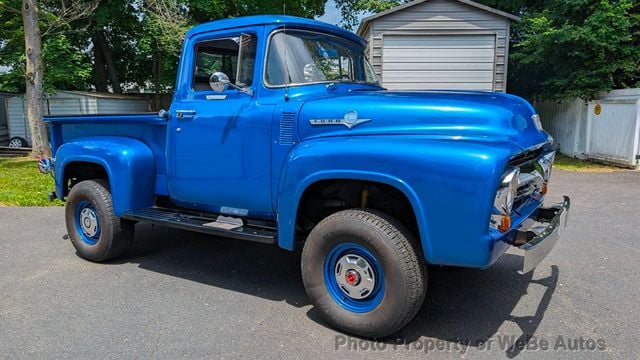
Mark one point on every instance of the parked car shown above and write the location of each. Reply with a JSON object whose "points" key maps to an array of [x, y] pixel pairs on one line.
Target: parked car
{"points": [[280, 133]]}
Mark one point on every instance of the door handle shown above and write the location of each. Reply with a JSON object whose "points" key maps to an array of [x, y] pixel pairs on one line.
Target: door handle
{"points": [[185, 114]]}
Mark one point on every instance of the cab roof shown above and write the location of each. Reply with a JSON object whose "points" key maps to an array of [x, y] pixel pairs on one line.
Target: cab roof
{"points": [[293, 21]]}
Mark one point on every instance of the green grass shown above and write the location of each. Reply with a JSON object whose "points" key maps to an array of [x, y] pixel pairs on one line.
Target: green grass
{"points": [[566, 163], [21, 184]]}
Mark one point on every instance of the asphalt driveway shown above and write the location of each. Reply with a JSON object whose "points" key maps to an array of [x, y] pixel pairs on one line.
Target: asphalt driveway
{"points": [[179, 294]]}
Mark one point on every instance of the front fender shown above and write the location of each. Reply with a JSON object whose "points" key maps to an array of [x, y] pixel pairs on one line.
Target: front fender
{"points": [[128, 162], [449, 182]]}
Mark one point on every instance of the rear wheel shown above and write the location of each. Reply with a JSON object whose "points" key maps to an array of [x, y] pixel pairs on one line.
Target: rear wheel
{"points": [[95, 231], [362, 271]]}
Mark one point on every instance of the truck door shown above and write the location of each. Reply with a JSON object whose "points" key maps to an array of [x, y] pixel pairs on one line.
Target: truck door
{"points": [[219, 142]]}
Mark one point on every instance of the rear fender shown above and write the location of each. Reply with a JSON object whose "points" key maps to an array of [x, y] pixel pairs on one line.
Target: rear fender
{"points": [[128, 162]]}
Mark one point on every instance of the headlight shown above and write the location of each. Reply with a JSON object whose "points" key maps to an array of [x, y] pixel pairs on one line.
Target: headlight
{"points": [[536, 121], [503, 203]]}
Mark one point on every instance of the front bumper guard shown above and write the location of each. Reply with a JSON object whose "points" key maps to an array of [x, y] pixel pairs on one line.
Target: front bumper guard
{"points": [[538, 235]]}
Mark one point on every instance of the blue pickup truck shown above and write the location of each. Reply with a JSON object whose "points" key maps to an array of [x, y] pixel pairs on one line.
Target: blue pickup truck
{"points": [[279, 132]]}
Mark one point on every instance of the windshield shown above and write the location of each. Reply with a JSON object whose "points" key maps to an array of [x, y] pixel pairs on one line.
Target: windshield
{"points": [[303, 57]]}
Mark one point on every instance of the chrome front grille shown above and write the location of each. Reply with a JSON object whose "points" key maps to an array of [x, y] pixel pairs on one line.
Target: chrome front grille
{"points": [[529, 183], [518, 184]]}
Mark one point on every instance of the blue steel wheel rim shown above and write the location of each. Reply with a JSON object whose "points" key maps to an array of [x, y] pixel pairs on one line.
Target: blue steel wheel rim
{"points": [[360, 303], [87, 222]]}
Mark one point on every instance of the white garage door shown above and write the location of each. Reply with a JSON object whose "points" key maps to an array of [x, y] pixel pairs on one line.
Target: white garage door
{"points": [[420, 62]]}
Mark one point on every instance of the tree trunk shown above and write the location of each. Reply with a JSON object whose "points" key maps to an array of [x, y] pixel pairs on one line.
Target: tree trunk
{"points": [[157, 68], [34, 78], [108, 59], [100, 74]]}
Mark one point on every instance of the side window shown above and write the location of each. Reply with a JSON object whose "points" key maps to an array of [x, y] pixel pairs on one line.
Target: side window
{"points": [[233, 56], [247, 63]]}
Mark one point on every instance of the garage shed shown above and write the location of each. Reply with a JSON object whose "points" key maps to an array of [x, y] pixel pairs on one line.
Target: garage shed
{"points": [[439, 44]]}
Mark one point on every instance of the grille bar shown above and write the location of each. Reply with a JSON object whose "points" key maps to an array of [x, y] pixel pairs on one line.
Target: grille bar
{"points": [[525, 157]]}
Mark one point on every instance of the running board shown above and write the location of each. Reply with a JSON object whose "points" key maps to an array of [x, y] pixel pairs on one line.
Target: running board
{"points": [[220, 226]]}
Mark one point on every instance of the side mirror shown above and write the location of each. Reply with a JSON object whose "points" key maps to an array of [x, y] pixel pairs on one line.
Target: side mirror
{"points": [[218, 81]]}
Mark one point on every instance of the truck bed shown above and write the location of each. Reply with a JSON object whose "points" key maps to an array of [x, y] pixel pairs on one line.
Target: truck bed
{"points": [[149, 128]]}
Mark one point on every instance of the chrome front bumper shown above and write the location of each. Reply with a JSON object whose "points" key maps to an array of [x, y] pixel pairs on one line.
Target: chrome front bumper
{"points": [[538, 235]]}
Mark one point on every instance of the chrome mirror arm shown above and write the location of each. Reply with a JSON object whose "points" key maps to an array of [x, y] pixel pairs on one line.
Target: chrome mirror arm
{"points": [[246, 90]]}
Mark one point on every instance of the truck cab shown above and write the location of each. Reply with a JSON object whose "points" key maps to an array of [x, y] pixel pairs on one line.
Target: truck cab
{"points": [[268, 70], [279, 132]]}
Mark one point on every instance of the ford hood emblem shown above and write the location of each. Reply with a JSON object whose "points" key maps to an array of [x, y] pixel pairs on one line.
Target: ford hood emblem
{"points": [[350, 120]]}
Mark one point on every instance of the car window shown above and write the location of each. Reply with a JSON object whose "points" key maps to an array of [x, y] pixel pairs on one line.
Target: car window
{"points": [[233, 56], [246, 65], [303, 57]]}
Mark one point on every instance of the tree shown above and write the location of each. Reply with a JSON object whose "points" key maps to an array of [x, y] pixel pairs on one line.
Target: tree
{"points": [[65, 65], [112, 37], [164, 23], [573, 48], [33, 76], [122, 43], [351, 9], [206, 10], [33, 62]]}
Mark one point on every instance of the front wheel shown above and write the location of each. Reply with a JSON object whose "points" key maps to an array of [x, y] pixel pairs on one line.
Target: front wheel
{"points": [[361, 269], [95, 231]]}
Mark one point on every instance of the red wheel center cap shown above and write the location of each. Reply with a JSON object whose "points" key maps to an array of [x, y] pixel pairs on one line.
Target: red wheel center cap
{"points": [[352, 277]]}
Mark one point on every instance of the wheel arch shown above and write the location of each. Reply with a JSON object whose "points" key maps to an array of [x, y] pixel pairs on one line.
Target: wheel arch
{"points": [[288, 214], [80, 169], [127, 163]]}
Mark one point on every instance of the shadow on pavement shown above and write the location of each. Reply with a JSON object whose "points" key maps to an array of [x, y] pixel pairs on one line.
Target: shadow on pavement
{"points": [[247, 267], [467, 306], [463, 306]]}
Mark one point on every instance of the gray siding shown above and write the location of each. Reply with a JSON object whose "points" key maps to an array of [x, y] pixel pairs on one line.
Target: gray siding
{"points": [[70, 103], [17, 119], [4, 126], [438, 18], [118, 106]]}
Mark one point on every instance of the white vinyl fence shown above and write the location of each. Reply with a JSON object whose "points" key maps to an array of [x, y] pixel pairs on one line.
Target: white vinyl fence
{"points": [[605, 129]]}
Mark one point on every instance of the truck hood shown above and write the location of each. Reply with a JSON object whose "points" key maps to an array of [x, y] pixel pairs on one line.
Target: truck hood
{"points": [[455, 114]]}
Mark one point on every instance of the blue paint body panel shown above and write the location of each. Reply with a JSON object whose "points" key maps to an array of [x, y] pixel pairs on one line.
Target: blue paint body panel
{"points": [[440, 176], [255, 155], [128, 162]]}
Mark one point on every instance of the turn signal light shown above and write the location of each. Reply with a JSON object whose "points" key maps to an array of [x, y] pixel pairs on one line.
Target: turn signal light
{"points": [[505, 224]]}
